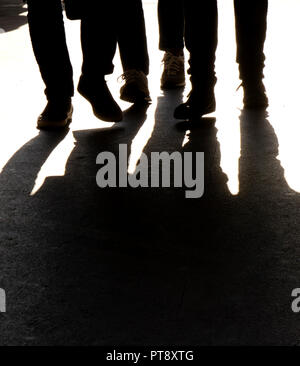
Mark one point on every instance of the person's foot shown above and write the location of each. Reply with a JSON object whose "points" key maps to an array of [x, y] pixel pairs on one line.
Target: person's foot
{"points": [[197, 105], [56, 115], [135, 89], [103, 104], [173, 75], [255, 95]]}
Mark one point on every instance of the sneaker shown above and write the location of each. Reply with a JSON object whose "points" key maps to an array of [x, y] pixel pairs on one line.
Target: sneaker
{"points": [[197, 105], [255, 95], [103, 104], [56, 115], [173, 75], [135, 89]]}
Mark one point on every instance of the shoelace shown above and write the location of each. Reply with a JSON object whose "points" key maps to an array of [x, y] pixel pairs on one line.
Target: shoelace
{"points": [[172, 64], [241, 85], [260, 88], [129, 76]]}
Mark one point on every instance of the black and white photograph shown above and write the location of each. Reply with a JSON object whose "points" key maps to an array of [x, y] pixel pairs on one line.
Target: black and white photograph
{"points": [[149, 176]]}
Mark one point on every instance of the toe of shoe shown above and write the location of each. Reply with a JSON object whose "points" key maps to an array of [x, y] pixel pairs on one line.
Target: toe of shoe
{"points": [[135, 95], [52, 125], [106, 115], [46, 123]]}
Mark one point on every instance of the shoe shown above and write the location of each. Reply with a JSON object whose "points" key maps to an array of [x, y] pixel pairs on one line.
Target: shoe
{"points": [[135, 89], [56, 115], [103, 104], [197, 105], [255, 95], [173, 75]]}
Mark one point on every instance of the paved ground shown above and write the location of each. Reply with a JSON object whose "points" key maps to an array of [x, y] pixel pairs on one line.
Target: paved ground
{"points": [[88, 266]]}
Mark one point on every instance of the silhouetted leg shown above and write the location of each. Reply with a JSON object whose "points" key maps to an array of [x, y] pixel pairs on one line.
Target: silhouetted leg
{"points": [[171, 24], [251, 26], [201, 41], [201, 27], [99, 41], [132, 40], [49, 45], [131, 35], [171, 40]]}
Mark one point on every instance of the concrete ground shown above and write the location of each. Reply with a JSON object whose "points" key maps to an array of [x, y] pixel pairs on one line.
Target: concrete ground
{"points": [[83, 265]]}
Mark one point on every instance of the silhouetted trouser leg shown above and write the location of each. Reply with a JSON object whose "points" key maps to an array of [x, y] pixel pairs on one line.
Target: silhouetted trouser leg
{"points": [[131, 35], [49, 45], [251, 26], [201, 27], [201, 36], [98, 42], [171, 24]]}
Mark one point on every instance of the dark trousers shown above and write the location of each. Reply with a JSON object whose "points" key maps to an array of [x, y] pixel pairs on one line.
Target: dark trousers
{"points": [[201, 37], [201, 23], [98, 41], [251, 28], [131, 36], [108, 24], [101, 29], [171, 24], [49, 45]]}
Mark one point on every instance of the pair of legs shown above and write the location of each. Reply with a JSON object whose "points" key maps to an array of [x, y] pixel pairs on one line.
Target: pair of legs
{"points": [[103, 27], [99, 38], [197, 24], [201, 37]]}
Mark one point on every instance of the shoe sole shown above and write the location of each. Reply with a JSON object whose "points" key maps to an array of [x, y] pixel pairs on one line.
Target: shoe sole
{"points": [[142, 98], [55, 125], [210, 109], [168, 86], [106, 118], [96, 113], [258, 106]]}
